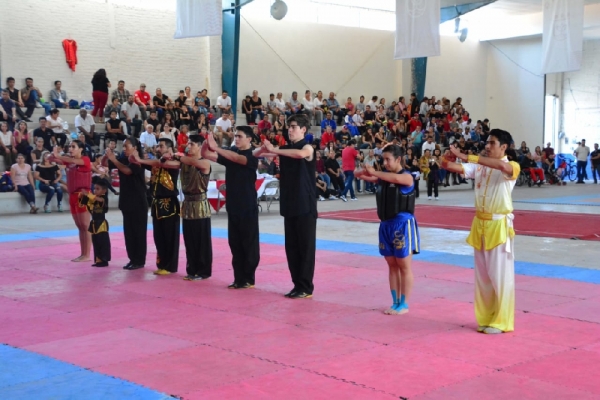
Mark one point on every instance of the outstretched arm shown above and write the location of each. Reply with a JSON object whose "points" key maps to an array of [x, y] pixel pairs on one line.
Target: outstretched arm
{"points": [[505, 167], [306, 152]]}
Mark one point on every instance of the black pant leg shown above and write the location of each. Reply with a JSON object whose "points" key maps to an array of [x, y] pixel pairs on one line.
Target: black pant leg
{"points": [[236, 238], [101, 243], [20, 113], [198, 246], [435, 185], [251, 244], [166, 239], [429, 187], [135, 228], [300, 248], [30, 110]]}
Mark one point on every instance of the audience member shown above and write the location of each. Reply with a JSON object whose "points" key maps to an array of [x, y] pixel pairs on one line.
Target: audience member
{"points": [[114, 128], [22, 178], [7, 146], [85, 125], [223, 104], [120, 93], [45, 133], [59, 96], [131, 114], [15, 95], [100, 85], [48, 174], [58, 126], [8, 110], [143, 100]]}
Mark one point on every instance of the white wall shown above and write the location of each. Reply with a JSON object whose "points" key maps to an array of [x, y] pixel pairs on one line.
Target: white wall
{"points": [[297, 56], [132, 44]]}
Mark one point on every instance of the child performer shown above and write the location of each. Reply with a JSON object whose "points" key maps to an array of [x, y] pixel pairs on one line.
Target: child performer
{"points": [[97, 205], [398, 231]]}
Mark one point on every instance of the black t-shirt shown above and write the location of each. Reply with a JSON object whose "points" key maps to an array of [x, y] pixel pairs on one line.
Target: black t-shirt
{"points": [[160, 100], [255, 103], [46, 135], [594, 154], [369, 115], [114, 123], [47, 173], [241, 183], [153, 122], [13, 95], [297, 181], [100, 85], [331, 164], [132, 187]]}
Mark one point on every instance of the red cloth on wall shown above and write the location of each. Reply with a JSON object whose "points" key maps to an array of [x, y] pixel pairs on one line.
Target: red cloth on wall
{"points": [[70, 47]]}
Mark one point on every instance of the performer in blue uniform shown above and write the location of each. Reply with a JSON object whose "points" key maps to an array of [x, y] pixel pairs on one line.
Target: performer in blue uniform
{"points": [[398, 230]]}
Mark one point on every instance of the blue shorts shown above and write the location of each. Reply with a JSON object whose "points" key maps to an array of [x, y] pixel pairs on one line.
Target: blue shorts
{"points": [[399, 237]]}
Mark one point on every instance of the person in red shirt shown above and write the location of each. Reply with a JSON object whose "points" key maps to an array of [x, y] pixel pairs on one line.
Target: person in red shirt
{"points": [[280, 139], [327, 137], [265, 124], [79, 178], [182, 139], [415, 123], [349, 157], [143, 100]]}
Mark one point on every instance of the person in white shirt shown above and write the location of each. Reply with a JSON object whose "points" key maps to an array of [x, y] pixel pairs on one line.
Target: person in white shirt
{"points": [[223, 133], [318, 108], [148, 140], [582, 152], [309, 106], [373, 103], [131, 116], [84, 123], [280, 103], [58, 126], [223, 103], [429, 144], [168, 133]]}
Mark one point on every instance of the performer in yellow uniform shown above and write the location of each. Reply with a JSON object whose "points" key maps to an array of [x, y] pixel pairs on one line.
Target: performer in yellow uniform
{"points": [[492, 234]]}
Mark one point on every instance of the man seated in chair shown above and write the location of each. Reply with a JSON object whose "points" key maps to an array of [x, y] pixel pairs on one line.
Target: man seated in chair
{"points": [[528, 164]]}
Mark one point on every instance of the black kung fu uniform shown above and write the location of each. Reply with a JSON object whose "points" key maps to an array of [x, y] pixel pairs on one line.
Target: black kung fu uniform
{"points": [[134, 206], [165, 217], [242, 216], [98, 226], [298, 207]]}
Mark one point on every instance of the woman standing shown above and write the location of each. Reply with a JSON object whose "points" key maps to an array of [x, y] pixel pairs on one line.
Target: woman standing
{"points": [[100, 85], [79, 177], [49, 176], [22, 142], [22, 178], [7, 146]]}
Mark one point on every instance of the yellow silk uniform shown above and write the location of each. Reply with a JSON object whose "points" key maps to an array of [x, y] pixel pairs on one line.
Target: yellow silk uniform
{"points": [[492, 237]]}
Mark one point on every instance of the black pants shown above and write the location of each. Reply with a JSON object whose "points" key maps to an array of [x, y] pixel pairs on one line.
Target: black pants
{"points": [[166, 239], [198, 246], [337, 182], [432, 183], [243, 235], [101, 244], [135, 227], [61, 139], [300, 247]]}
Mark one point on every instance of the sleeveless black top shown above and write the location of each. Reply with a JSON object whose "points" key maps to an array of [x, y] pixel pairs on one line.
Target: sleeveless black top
{"points": [[298, 192]]}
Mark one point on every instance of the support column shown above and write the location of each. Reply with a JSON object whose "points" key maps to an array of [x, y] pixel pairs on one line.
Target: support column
{"points": [[230, 43]]}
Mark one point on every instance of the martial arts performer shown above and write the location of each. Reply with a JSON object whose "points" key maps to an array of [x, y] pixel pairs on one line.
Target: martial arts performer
{"points": [[79, 177], [492, 233], [298, 203], [195, 210], [165, 206], [97, 205], [398, 230], [132, 202], [242, 209]]}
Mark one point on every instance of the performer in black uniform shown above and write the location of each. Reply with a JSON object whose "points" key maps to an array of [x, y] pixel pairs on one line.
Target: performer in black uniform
{"points": [[165, 206], [97, 205], [298, 204], [241, 202], [132, 202], [195, 211]]}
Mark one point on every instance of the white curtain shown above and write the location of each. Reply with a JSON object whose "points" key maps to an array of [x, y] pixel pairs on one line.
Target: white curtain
{"points": [[562, 43], [417, 28], [199, 18]]}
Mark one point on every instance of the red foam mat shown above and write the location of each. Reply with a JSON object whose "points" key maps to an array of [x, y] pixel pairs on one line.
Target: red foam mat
{"points": [[530, 223]]}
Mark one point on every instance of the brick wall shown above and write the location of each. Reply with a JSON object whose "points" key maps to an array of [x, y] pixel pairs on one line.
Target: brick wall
{"points": [[132, 44]]}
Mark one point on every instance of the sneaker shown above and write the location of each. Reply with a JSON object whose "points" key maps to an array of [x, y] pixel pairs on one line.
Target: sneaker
{"points": [[60, 208], [354, 199], [300, 295], [321, 198], [47, 209], [290, 293], [428, 197], [332, 198], [492, 331], [161, 272], [194, 278], [246, 286], [359, 191], [437, 198], [344, 199], [233, 285]]}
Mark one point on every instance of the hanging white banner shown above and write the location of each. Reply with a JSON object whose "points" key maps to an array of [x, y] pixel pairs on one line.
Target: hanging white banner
{"points": [[417, 28], [195, 18], [562, 41]]}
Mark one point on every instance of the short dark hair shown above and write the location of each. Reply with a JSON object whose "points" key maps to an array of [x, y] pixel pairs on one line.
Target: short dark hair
{"points": [[41, 118], [394, 150], [10, 79], [503, 136], [55, 82], [168, 142], [54, 111], [121, 81], [301, 119], [246, 130], [28, 79]]}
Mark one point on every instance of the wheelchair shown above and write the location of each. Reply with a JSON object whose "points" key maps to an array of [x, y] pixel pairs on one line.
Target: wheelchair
{"points": [[525, 177]]}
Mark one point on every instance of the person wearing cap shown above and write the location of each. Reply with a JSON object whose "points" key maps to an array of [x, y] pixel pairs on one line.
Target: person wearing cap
{"points": [[242, 210], [195, 211], [97, 205], [298, 203], [165, 206]]}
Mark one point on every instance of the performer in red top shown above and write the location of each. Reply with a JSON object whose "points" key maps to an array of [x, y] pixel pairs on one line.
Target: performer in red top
{"points": [[79, 177]]}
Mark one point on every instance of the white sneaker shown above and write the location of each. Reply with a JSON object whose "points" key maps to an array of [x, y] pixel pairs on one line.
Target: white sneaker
{"points": [[344, 198], [429, 198], [354, 199], [332, 198], [492, 331], [321, 198], [437, 198]]}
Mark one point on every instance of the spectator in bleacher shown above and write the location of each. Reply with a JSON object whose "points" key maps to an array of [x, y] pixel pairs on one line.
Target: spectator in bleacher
{"points": [[31, 96], [522, 151], [148, 139], [223, 104], [169, 116], [547, 152], [371, 161], [100, 85], [581, 153], [529, 165], [223, 131], [308, 105], [328, 121], [59, 96], [120, 93], [280, 124], [113, 106], [45, 133], [321, 170], [247, 109], [22, 178], [15, 95], [373, 103], [184, 117], [36, 153], [361, 106], [343, 136], [169, 132], [49, 175], [203, 102], [160, 102], [334, 170], [7, 146], [272, 107], [114, 129], [265, 124], [131, 114], [334, 107], [153, 120], [57, 124], [189, 99], [415, 123], [293, 105], [369, 116], [379, 137], [85, 125], [429, 144], [22, 144], [8, 110], [143, 100], [327, 137], [367, 141], [257, 106]]}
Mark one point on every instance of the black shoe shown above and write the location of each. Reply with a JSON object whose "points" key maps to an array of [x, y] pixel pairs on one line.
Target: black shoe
{"points": [[128, 265], [195, 278], [290, 293], [300, 295], [234, 285], [134, 267], [246, 286], [27, 120], [100, 264]]}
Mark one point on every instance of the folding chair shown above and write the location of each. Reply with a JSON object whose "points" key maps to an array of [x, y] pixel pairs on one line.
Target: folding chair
{"points": [[220, 190], [270, 197]]}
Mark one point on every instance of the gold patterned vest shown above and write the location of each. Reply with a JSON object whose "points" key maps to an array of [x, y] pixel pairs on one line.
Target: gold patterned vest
{"points": [[194, 185]]}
